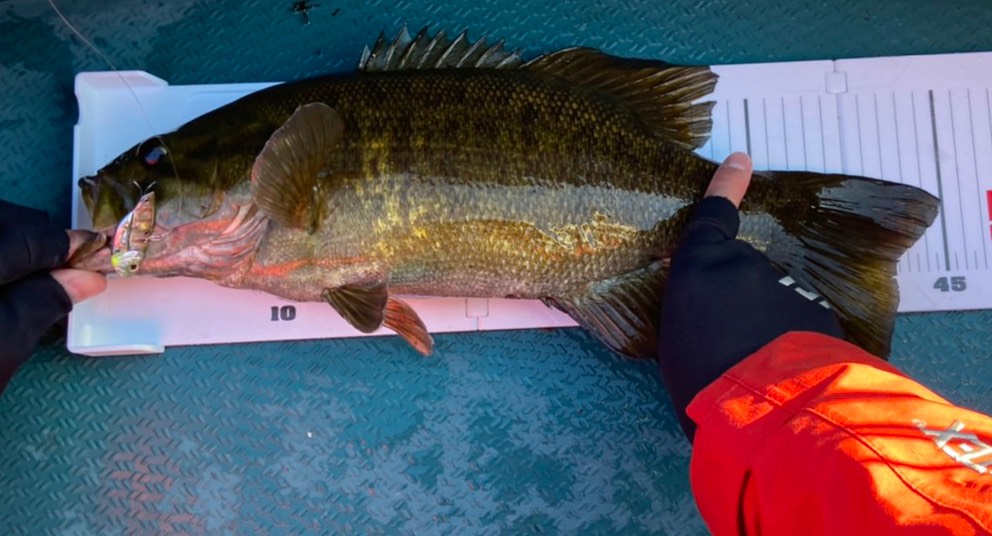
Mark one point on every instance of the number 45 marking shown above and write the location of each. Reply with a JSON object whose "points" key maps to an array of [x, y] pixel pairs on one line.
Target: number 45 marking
{"points": [[957, 284]]}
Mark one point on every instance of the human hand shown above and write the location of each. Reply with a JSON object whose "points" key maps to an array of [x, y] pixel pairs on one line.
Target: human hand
{"points": [[34, 293], [723, 299]]}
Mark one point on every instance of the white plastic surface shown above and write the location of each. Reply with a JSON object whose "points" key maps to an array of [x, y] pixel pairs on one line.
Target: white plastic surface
{"points": [[919, 120], [926, 121], [871, 117]]}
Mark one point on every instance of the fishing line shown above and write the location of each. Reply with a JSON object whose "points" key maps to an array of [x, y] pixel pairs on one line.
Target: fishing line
{"points": [[103, 56]]}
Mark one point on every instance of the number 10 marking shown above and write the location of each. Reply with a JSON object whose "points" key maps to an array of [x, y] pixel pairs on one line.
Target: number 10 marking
{"points": [[285, 313]]}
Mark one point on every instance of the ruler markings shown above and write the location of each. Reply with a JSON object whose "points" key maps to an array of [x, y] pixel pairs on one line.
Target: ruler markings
{"points": [[764, 116], [919, 171], [957, 180], [861, 147], [747, 125], [988, 193], [988, 200], [940, 182], [785, 134], [949, 251], [878, 137], [802, 127], [978, 190], [823, 139], [730, 136], [895, 115], [916, 138], [905, 262]]}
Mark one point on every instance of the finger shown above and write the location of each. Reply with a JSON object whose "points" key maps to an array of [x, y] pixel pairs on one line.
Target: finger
{"points": [[80, 285], [17, 214], [25, 249], [715, 218], [84, 243], [732, 179]]}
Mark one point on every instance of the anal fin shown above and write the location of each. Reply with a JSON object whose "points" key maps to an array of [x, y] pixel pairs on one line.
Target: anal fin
{"points": [[622, 312]]}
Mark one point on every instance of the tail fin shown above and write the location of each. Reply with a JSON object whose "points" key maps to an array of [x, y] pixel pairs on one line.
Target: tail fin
{"points": [[846, 245]]}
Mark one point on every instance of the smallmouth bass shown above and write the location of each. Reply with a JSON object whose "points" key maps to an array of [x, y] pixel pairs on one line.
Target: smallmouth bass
{"points": [[444, 167]]}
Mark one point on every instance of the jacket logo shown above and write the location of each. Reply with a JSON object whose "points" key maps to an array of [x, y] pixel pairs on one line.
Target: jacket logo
{"points": [[790, 283], [965, 449]]}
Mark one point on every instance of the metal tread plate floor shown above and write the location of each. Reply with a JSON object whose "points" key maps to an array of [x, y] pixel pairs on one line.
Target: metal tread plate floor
{"points": [[537, 431]]}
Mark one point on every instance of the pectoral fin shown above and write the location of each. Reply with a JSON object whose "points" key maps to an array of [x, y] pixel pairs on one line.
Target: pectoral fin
{"points": [[369, 307], [285, 182]]}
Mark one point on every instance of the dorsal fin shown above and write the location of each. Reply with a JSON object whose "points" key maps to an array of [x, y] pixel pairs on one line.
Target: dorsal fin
{"points": [[437, 52], [660, 93]]}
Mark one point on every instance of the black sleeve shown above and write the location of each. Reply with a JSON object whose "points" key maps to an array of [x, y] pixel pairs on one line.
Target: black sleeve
{"points": [[724, 301], [31, 300]]}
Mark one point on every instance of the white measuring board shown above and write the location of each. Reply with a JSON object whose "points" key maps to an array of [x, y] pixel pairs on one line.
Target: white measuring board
{"points": [[919, 120], [791, 116], [926, 121]]}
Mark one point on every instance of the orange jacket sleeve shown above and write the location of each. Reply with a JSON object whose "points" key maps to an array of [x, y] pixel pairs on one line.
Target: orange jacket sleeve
{"points": [[811, 435]]}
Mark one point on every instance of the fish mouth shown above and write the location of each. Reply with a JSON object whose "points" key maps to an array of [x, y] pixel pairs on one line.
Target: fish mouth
{"points": [[89, 188], [106, 199], [95, 259]]}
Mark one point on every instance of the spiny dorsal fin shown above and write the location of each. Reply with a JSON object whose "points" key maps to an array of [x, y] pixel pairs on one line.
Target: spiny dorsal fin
{"points": [[437, 52], [660, 93], [284, 178]]}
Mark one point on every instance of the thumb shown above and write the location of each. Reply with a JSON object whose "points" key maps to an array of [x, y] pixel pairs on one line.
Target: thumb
{"points": [[80, 285], [732, 179]]}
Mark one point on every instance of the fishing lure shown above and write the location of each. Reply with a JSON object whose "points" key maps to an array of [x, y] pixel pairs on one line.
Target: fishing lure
{"points": [[132, 236]]}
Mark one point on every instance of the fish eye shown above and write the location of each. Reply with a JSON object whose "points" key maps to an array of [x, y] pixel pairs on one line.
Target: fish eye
{"points": [[152, 153], [155, 156]]}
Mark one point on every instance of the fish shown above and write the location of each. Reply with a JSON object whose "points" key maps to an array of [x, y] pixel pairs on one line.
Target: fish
{"points": [[445, 166]]}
